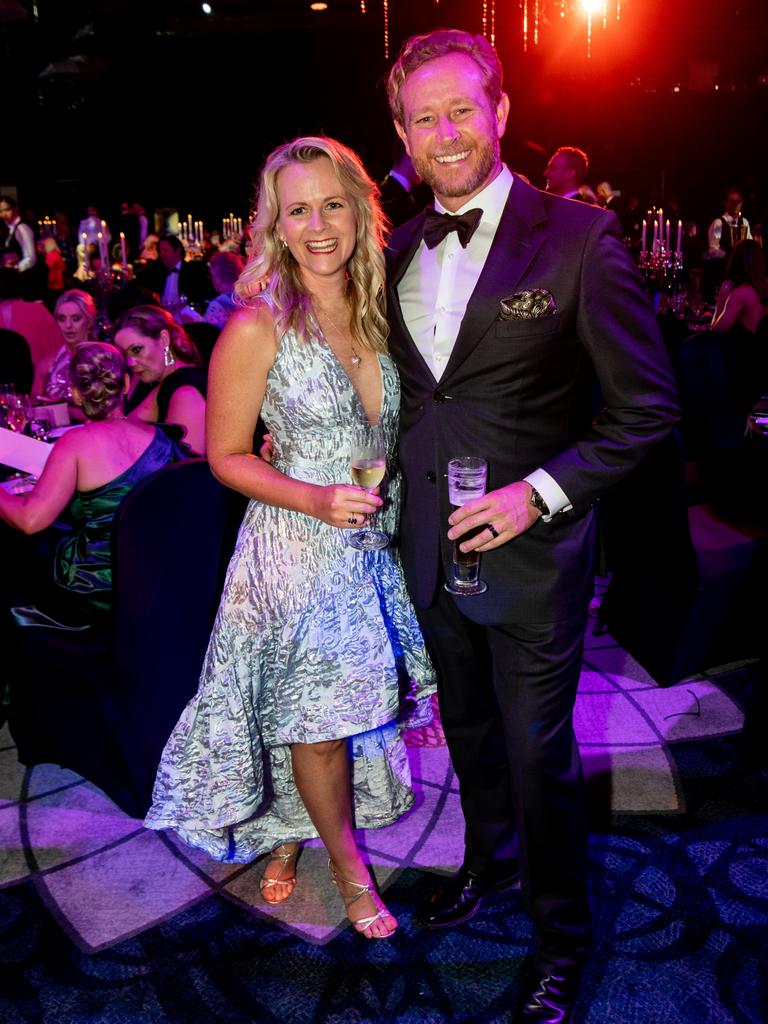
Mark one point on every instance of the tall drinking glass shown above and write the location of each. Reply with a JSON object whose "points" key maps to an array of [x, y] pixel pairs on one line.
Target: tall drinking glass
{"points": [[368, 465], [467, 479]]}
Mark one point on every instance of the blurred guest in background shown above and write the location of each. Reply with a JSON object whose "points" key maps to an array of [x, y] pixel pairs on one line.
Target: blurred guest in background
{"points": [[179, 282], [727, 229], [29, 319], [170, 385], [225, 268], [398, 198], [743, 297], [92, 226], [19, 245], [566, 174], [75, 315], [88, 473]]}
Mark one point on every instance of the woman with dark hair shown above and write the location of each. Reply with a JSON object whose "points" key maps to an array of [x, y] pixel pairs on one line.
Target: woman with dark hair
{"points": [[89, 471], [295, 731], [169, 383], [743, 297]]}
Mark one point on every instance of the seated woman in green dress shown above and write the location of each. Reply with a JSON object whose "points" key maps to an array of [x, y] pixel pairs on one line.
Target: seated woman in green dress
{"points": [[88, 473]]}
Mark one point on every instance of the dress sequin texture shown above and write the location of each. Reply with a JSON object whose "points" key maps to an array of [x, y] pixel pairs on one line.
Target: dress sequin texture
{"points": [[313, 641]]}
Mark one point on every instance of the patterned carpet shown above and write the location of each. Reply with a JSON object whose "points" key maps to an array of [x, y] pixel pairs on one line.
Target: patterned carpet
{"points": [[102, 922]]}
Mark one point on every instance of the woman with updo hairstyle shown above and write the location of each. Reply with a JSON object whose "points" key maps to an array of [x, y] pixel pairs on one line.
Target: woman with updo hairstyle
{"points": [[75, 314], [743, 297], [169, 383], [88, 473]]}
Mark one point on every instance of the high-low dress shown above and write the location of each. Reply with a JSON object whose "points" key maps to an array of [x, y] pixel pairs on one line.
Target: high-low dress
{"points": [[313, 641]]}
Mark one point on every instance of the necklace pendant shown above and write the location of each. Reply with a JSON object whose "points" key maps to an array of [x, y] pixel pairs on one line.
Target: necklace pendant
{"points": [[355, 359]]}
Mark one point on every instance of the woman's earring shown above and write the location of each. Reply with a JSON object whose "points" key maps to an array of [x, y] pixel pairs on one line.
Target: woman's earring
{"points": [[168, 359]]}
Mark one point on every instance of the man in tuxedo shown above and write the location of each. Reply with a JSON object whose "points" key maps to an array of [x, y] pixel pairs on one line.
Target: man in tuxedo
{"points": [[176, 280], [503, 302], [401, 191], [566, 174]]}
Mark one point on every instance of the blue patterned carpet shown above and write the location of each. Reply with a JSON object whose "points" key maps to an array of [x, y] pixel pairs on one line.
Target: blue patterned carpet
{"points": [[680, 903]]}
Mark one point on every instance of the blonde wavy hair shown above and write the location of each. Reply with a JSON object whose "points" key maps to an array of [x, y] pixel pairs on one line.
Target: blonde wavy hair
{"points": [[272, 268]]}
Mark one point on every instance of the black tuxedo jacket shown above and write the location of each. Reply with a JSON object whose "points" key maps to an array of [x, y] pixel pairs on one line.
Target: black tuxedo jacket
{"points": [[194, 280], [519, 393]]}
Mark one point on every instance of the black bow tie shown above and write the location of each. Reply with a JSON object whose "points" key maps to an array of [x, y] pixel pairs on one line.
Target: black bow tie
{"points": [[173, 270], [438, 225]]}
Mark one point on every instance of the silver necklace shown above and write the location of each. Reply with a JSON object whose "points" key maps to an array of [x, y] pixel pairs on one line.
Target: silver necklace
{"points": [[354, 358]]}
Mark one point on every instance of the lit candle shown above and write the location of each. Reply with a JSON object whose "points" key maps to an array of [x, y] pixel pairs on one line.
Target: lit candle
{"points": [[661, 225], [86, 263], [679, 247], [655, 234], [666, 237], [123, 250], [645, 237]]}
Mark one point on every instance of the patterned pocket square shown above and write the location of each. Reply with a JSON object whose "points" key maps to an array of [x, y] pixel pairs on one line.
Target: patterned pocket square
{"points": [[527, 305]]}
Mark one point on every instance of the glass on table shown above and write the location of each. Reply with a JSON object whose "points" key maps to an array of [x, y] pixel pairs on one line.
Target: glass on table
{"points": [[40, 420], [368, 464], [467, 479], [14, 408]]}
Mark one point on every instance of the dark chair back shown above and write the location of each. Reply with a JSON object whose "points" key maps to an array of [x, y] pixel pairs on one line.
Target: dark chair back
{"points": [[103, 702], [15, 360], [173, 537]]}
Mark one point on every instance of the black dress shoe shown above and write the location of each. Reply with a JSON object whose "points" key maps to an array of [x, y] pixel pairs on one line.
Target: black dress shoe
{"points": [[549, 998], [460, 896]]}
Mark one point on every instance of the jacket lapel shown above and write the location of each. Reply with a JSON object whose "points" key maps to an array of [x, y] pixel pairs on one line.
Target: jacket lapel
{"points": [[518, 238], [399, 257]]}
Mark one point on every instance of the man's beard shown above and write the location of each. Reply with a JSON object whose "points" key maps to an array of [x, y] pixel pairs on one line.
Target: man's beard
{"points": [[487, 156]]}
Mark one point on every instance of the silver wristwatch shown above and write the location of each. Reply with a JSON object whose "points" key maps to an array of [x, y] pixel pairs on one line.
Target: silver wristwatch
{"points": [[538, 502]]}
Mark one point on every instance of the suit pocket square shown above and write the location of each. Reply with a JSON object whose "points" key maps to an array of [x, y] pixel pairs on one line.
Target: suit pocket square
{"points": [[527, 305]]}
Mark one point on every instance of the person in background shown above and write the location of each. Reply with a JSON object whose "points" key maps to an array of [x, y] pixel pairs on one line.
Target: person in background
{"points": [[566, 174], [224, 268], [170, 385], [19, 245], [88, 473], [727, 229], [56, 268], [178, 281], [29, 319], [91, 226], [398, 199], [743, 297], [75, 315]]}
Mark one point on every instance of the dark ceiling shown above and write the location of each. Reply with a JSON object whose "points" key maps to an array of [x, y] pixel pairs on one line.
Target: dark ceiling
{"points": [[162, 102]]}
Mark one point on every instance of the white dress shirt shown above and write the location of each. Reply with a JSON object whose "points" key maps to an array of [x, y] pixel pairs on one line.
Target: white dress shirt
{"points": [[437, 286], [171, 297], [715, 233], [25, 238]]}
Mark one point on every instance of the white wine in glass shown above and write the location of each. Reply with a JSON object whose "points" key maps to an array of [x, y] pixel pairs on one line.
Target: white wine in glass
{"points": [[368, 464]]}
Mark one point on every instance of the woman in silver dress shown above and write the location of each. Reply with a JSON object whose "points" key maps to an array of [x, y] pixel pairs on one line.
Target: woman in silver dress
{"points": [[296, 729]]}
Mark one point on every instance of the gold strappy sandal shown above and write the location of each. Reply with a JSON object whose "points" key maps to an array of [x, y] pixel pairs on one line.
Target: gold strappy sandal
{"points": [[287, 859], [361, 890]]}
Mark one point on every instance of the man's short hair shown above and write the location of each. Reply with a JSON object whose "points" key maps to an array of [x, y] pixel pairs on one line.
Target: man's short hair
{"points": [[419, 50], [9, 201], [576, 160], [175, 243]]}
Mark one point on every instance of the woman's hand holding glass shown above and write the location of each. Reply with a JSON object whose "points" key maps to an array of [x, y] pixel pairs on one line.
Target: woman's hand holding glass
{"points": [[344, 506]]}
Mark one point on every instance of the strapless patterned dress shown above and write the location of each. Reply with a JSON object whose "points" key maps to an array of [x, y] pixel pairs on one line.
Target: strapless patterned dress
{"points": [[313, 641]]}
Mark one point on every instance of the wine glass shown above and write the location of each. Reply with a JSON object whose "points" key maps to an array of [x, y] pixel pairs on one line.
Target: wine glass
{"points": [[368, 464], [40, 421], [15, 412], [7, 390], [467, 479]]}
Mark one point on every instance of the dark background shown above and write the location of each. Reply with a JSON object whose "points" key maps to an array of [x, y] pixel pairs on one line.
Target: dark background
{"points": [[172, 107]]}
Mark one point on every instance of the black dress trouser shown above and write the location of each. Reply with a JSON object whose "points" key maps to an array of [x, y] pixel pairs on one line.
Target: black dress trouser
{"points": [[506, 701]]}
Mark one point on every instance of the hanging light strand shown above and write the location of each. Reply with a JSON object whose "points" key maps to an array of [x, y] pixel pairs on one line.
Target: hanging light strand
{"points": [[386, 29], [485, 18], [525, 25], [536, 17], [493, 22], [362, 7]]}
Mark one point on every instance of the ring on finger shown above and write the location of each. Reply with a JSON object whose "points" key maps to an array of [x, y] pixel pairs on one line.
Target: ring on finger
{"points": [[492, 530]]}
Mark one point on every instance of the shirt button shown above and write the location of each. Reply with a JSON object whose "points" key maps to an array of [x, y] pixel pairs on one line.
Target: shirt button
{"points": [[431, 476], [439, 396]]}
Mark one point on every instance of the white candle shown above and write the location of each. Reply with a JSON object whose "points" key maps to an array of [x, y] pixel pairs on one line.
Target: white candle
{"points": [[644, 243], [679, 246], [85, 251], [661, 225], [655, 234], [123, 250], [666, 237]]}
